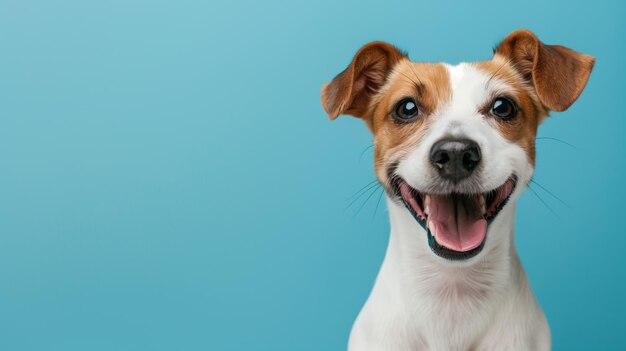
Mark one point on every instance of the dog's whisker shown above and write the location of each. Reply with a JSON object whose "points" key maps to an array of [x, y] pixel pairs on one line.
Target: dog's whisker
{"points": [[364, 150], [543, 202], [418, 86], [369, 189], [366, 200], [415, 74], [378, 202], [550, 193], [559, 140], [368, 185], [507, 61]]}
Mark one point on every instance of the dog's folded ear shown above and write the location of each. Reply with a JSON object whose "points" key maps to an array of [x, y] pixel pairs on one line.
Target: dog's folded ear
{"points": [[350, 92], [559, 74]]}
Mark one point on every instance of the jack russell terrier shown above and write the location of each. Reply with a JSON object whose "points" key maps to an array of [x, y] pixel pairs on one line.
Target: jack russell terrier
{"points": [[454, 147]]}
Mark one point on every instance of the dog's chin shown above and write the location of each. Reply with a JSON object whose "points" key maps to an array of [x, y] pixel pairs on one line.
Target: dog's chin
{"points": [[456, 223]]}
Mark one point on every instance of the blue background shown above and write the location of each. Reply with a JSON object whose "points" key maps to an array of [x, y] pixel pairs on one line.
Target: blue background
{"points": [[169, 181]]}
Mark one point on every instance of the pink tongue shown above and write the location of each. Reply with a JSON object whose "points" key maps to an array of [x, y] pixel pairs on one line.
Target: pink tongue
{"points": [[458, 220]]}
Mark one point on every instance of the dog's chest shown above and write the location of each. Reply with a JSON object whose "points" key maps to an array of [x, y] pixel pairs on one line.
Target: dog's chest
{"points": [[452, 310]]}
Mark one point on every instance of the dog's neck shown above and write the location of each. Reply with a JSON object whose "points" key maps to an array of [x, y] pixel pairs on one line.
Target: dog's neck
{"points": [[422, 274], [447, 302]]}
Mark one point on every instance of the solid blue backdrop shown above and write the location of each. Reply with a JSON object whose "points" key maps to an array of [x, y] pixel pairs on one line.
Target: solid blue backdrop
{"points": [[169, 180]]}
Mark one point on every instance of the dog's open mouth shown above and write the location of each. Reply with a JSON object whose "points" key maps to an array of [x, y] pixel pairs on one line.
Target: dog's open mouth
{"points": [[456, 223]]}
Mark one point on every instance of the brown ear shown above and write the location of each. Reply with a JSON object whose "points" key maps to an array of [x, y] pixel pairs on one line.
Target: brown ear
{"points": [[351, 91], [559, 74]]}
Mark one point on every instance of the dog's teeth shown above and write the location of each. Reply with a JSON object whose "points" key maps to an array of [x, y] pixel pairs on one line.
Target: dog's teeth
{"points": [[427, 204], [433, 228], [481, 200]]}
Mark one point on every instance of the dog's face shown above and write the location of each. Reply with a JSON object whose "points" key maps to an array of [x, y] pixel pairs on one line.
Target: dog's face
{"points": [[454, 144]]}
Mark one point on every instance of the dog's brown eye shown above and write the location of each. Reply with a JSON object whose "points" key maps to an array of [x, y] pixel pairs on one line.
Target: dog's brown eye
{"points": [[406, 110], [504, 108]]}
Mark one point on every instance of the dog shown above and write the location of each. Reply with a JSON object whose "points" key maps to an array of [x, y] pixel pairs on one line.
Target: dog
{"points": [[454, 146]]}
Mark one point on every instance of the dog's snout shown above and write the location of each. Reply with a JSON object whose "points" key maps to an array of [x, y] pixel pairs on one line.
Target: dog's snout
{"points": [[455, 159]]}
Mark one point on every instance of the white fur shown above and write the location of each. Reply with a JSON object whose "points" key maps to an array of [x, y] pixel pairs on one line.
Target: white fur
{"points": [[423, 302]]}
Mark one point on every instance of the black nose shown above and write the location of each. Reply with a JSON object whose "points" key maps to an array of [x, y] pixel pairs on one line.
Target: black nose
{"points": [[455, 159]]}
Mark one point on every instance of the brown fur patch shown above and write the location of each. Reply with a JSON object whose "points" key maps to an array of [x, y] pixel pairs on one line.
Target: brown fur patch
{"points": [[351, 91], [559, 74], [523, 128], [429, 85]]}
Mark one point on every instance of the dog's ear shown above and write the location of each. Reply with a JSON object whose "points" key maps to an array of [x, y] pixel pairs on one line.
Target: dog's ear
{"points": [[351, 91], [558, 74]]}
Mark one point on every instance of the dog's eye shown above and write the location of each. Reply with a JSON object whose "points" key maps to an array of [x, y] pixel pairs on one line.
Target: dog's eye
{"points": [[406, 110], [504, 108]]}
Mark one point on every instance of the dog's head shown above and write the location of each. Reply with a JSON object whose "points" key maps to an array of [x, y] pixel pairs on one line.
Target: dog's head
{"points": [[453, 144]]}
